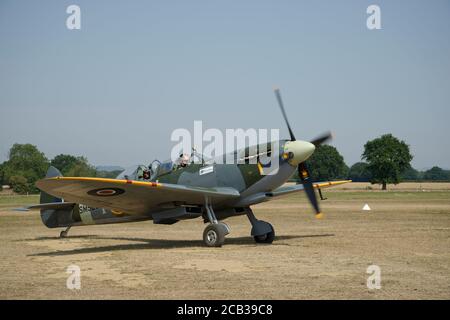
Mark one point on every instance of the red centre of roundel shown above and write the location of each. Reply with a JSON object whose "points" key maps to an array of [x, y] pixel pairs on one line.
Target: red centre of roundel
{"points": [[106, 192]]}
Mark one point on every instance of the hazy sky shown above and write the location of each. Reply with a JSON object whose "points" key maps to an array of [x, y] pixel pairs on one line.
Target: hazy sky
{"points": [[116, 89]]}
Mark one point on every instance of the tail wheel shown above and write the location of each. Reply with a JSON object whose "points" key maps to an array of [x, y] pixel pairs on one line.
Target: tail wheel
{"points": [[214, 235]]}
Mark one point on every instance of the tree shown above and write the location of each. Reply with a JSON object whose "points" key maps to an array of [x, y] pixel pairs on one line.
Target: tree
{"points": [[82, 169], [326, 163], [108, 174], [27, 162], [20, 184], [387, 157], [359, 172], [2, 174], [73, 166], [436, 174], [64, 162], [410, 174]]}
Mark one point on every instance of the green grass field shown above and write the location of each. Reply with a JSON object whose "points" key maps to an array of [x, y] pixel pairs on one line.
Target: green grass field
{"points": [[388, 195], [21, 200], [379, 196], [18, 200]]}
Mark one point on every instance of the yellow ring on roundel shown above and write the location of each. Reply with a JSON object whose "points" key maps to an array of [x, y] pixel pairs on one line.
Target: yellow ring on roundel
{"points": [[117, 212]]}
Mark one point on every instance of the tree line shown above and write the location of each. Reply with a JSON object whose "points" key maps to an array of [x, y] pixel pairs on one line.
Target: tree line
{"points": [[385, 160], [26, 164]]}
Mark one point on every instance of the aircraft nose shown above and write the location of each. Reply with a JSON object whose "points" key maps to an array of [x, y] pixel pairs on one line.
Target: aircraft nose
{"points": [[298, 151]]}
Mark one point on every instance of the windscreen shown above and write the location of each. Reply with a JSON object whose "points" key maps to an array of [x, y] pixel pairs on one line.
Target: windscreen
{"points": [[132, 173]]}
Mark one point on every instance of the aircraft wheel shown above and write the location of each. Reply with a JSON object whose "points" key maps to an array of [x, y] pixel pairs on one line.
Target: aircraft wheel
{"points": [[265, 238], [214, 235], [63, 234]]}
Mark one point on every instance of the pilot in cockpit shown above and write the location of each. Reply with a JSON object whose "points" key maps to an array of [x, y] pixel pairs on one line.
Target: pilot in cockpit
{"points": [[183, 160], [146, 174], [142, 173]]}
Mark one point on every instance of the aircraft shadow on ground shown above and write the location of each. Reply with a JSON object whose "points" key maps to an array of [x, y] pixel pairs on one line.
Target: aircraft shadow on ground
{"points": [[158, 243]]}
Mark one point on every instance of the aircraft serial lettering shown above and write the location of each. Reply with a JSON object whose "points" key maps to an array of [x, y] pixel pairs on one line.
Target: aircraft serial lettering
{"points": [[206, 170]]}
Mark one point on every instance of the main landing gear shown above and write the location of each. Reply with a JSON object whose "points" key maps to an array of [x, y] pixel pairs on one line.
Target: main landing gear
{"points": [[65, 232], [262, 232], [215, 232]]}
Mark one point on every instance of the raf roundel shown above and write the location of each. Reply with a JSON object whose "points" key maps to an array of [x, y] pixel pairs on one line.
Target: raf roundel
{"points": [[106, 192]]}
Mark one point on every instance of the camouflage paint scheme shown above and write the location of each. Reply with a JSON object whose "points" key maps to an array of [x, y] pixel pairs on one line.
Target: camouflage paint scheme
{"points": [[231, 188]]}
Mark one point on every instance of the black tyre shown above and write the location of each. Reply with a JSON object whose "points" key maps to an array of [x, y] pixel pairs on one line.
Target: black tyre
{"points": [[265, 238], [214, 235]]}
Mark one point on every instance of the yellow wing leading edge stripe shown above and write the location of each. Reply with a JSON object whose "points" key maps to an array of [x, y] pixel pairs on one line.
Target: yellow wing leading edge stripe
{"points": [[330, 183], [108, 180], [158, 184]]}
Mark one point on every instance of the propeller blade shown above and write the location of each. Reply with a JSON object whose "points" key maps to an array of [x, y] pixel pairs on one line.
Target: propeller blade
{"points": [[280, 103], [302, 168], [322, 138], [309, 189]]}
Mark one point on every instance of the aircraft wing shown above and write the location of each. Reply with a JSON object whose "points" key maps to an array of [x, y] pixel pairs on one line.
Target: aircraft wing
{"points": [[285, 190], [130, 196]]}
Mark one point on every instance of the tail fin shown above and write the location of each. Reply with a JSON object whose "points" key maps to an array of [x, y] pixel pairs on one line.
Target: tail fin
{"points": [[45, 197], [59, 217]]}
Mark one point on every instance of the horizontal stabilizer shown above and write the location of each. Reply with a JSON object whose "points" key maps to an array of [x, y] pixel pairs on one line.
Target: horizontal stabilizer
{"points": [[48, 206]]}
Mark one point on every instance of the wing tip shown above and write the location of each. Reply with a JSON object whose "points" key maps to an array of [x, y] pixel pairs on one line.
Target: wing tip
{"points": [[331, 183]]}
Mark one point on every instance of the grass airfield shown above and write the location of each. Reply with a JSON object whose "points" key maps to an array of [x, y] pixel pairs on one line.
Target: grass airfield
{"points": [[407, 234]]}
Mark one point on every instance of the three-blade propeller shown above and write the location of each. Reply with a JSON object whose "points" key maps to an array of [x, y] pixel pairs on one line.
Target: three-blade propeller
{"points": [[303, 171], [322, 138]]}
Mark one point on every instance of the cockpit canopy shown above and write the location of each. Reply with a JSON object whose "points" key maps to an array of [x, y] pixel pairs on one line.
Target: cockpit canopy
{"points": [[159, 168], [137, 172], [144, 173]]}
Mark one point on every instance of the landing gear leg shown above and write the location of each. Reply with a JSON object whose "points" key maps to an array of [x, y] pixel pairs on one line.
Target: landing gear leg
{"points": [[215, 232], [65, 232], [262, 232], [320, 194]]}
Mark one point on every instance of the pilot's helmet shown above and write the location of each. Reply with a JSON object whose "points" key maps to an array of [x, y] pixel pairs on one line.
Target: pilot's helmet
{"points": [[184, 160]]}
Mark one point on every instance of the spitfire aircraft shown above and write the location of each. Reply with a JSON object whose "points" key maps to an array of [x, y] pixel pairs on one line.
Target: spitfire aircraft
{"points": [[171, 191]]}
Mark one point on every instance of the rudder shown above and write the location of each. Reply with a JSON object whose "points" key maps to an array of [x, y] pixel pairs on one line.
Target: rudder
{"points": [[50, 217], [45, 197]]}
